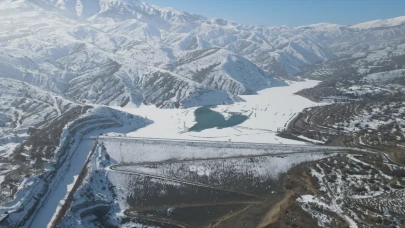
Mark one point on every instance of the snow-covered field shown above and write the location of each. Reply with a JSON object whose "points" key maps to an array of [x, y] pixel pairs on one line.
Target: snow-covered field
{"points": [[270, 110]]}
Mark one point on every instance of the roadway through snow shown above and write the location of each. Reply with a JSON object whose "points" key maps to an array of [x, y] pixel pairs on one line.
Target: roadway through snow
{"points": [[157, 219], [68, 173], [116, 168], [208, 142], [225, 158], [133, 212], [181, 181], [61, 187], [138, 212], [193, 205]]}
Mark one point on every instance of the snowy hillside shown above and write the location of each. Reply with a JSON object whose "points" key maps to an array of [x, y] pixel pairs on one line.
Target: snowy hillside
{"points": [[380, 23], [23, 108], [118, 62], [385, 76], [116, 52], [71, 70]]}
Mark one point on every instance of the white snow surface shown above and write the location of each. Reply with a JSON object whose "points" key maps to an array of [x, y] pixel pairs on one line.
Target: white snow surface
{"points": [[117, 51], [269, 167], [270, 110], [55, 199], [380, 23], [310, 140], [320, 26]]}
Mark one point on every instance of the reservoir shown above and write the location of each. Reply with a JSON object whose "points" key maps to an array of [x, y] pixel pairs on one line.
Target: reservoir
{"points": [[207, 118]]}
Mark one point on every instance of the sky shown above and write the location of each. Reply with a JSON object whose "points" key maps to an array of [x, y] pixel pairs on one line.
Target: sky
{"points": [[290, 12]]}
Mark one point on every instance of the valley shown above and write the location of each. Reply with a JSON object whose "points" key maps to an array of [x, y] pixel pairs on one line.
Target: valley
{"points": [[121, 113], [268, 113]]}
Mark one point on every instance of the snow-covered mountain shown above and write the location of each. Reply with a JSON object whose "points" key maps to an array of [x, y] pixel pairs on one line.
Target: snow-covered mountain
{"points": [[24, 108], [392, 22], [61, 61], [117, 52]]}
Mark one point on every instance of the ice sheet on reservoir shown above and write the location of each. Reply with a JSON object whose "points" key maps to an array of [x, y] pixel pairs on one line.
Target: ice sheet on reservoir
{"points": [[270, 110]]}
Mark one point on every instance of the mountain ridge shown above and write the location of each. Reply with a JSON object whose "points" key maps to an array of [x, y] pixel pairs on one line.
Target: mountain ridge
{"points": [[126, 44]]}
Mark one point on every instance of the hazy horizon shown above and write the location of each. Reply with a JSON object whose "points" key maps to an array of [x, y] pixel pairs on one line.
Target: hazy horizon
{"points": [[292, 12]]}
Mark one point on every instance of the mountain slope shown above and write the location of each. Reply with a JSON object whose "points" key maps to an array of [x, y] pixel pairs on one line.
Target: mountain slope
{"points": [[63, 61], [96, 64], [113, 51]]}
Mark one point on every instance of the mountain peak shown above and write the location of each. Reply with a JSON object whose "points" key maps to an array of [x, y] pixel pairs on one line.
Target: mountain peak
{"points": [[320, 26], [120, 10], [391, 22]]}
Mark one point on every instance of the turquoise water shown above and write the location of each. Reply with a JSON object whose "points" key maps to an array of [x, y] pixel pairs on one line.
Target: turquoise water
{"points": [[207, 118]]}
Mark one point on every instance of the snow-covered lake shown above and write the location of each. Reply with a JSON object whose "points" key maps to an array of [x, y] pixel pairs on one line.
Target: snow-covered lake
{"points": [[270, 110]]}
